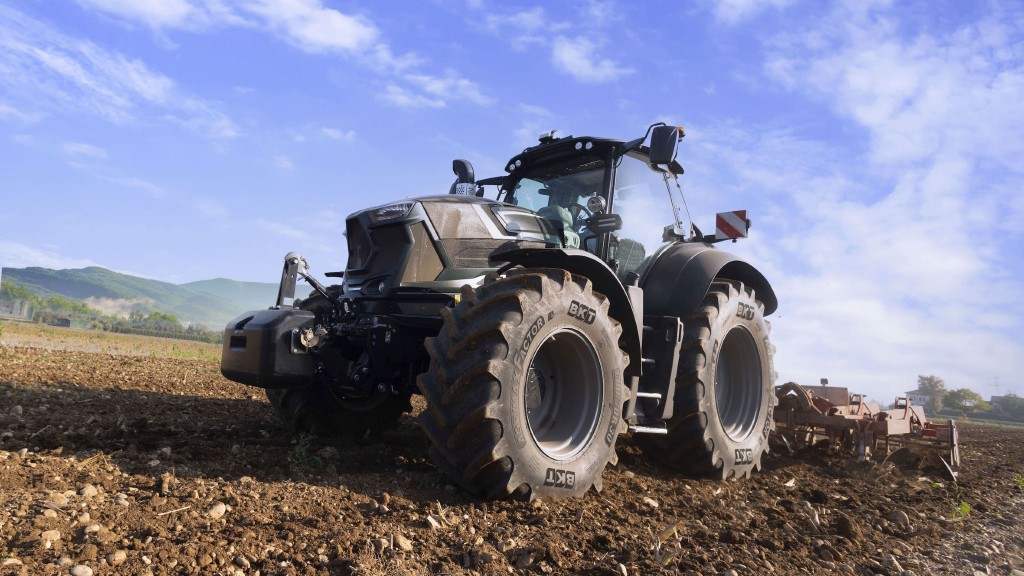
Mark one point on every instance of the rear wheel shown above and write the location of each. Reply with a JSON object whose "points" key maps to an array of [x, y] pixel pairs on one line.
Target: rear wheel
{"points": [[525, 387], [724, 388]]}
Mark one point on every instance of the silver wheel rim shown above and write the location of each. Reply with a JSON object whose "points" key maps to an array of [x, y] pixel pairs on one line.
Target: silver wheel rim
{"points": [[563, 394], [738, 384]]}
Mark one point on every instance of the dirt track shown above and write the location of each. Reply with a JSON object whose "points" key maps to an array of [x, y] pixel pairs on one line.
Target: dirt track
{"points": [[132, 455]]}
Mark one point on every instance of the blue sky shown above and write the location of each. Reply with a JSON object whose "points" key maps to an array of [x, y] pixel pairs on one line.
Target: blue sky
{"points": [[876, 145]]}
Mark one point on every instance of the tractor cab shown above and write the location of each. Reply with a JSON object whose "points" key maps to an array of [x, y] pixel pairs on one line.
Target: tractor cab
{"points": [[604, 196]]}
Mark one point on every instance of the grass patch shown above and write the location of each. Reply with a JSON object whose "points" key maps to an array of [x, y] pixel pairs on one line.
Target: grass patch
{"points": [[976, 421], [302, 453], [960, 508]]}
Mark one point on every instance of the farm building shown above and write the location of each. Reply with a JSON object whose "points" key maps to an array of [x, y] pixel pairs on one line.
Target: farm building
{"points": [[919, 398]]}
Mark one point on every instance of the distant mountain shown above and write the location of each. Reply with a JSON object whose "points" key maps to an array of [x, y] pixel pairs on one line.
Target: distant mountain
{"points": [[211, 303], [249, 295]]}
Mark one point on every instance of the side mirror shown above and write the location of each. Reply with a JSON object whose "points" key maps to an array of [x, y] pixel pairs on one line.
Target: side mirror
{"points": [[604, 223], [663, 144]]}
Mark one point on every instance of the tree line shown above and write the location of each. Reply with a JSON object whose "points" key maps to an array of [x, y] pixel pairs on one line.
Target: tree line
{"points": [[56, 309], [967, 402]]}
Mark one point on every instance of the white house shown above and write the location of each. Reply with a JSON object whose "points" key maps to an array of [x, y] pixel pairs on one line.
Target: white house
{"points": [[918, 398]]}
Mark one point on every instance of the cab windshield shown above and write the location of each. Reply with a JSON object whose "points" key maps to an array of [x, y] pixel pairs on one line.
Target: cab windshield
{"points": [[560, 194]]}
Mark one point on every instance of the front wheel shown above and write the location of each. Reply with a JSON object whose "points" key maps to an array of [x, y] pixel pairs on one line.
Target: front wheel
{"points": [[323, 407], [724, 388], [313, 409], [525, 387]]}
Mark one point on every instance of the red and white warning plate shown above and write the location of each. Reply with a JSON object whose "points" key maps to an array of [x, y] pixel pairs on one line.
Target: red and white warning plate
{"points": [[731, 224]]}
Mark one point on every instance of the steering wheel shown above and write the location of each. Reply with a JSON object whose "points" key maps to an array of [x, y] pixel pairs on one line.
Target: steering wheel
{"points": [[579, 224]]}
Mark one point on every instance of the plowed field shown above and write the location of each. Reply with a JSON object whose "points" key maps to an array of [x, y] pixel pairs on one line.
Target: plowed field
{"points": [[130, 455]]}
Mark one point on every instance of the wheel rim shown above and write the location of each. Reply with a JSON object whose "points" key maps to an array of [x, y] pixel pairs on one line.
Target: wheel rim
{"points": [[738, 384], [563, 394]]}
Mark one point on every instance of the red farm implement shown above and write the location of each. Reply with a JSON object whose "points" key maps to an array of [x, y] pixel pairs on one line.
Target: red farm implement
{"points": [[806, 416]]}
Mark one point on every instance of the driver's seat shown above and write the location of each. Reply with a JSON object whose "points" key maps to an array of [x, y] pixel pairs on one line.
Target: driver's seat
{"points": [[562, 220]]}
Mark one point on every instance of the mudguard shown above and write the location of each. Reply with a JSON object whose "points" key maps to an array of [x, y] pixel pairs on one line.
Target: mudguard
{"points": [[629, 311], [677, 277]]}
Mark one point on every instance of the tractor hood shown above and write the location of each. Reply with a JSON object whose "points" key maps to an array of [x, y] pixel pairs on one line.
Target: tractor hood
{"points": [[421, 242]]}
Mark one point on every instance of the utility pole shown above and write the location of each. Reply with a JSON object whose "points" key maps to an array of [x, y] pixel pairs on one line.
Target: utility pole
{"points": [[994, 384]]}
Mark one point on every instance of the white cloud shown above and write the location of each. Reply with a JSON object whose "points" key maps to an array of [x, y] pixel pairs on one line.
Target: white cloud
{"points": [[126, 76], [866, 289], [403, 98], [602, 12], [925, 101], [534, 20], [923, 97], [578, 58], [141, 184], [8, 112], [308, 25], [282, 229], [91, 160], [525, 28], [381, 59], [204, 118], [535, 120], [450, 87], [209, 207], [283, 163], [18, 255], [48, 71], [736, 11], [312, 27], [897, 257], [78, 150], [336, 134], [153, 13]]}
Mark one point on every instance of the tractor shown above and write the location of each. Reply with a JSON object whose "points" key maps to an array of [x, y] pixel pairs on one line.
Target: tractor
{"points": [[570, 305]]}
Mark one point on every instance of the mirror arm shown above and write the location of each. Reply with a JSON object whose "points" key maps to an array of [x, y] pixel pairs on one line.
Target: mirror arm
{"points": [[635, 144]]}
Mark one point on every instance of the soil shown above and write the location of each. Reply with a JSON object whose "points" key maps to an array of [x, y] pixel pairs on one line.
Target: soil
{"points": [[131, 455]]}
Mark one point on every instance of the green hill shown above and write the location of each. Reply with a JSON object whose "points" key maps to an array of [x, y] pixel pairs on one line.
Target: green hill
{"points": [[211, 303], [249, 295]]}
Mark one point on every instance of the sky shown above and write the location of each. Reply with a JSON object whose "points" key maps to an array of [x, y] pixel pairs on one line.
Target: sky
{"points": [[875, 145]]}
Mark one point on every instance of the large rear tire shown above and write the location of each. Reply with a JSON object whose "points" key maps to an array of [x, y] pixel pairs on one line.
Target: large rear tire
{"points": [[724, 388], [525, 387]]}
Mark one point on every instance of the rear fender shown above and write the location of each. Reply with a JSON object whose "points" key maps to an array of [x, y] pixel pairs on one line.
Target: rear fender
{"points": [[677, 278], [625, 303]]}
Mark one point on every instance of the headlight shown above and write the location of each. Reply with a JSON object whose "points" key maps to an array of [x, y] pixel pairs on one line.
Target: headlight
{"points": [[391, 212]]}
